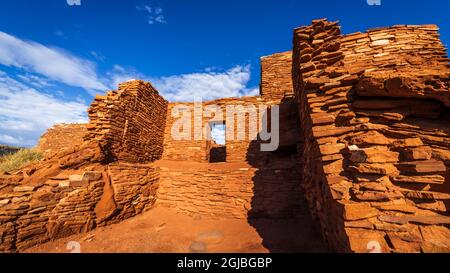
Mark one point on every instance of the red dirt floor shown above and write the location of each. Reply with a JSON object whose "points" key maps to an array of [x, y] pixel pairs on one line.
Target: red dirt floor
{"points": [[162, 230]]}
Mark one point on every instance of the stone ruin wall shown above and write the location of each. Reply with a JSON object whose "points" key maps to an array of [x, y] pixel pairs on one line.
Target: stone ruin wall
{"points": [[375, 122], [220, 191], [250, 183], [62, 137], [276, 76], [232, 190], [73, 201], [247, 184], [128, 122], [182, 150], [78, 189], [199, 150]]}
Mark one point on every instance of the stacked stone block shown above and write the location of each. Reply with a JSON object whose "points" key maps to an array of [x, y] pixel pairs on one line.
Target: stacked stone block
{"points": [[376, 135], [231, 190], [128, 122], [62, 137], [276, 76], [71, 192]]}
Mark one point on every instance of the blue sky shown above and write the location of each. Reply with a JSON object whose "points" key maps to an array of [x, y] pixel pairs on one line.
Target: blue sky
{"points": [[54, 57]]}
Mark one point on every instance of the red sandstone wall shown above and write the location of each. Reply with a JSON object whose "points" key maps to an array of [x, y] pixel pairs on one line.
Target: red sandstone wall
{"points": [[183, 150], [276, 76], [375, 168], [198, 150], [76, 190], [395, 48], [231, 190], [71, 193], [128, 122], [62, 137]]}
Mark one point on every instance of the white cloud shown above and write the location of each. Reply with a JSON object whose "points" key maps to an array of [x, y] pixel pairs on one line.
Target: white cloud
{"points": [[207, 85], [26, 113], [52, 63], [35, 80], [218, 133], [97, 56], [11, 140], [120, 74], [27, 109], [154, 14], [60, 34], [44, 66]]}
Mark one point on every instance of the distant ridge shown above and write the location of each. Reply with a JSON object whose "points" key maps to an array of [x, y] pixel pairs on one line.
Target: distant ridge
{"points": [[4, 150]]}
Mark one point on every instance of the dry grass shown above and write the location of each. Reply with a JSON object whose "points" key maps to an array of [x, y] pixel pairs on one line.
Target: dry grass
{"points": [[21, 158]]}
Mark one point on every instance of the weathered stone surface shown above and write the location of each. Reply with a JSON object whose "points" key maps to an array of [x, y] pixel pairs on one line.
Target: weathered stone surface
{"points": [[423, 167], [276, 79], [128, 122], [436, 239], [375, 168], [420, 153], [426, 195], [408, 142], [106, 206], [399, 208], [370, 138], [331, 149], [438, 206], [24, 188], [62, 137], [376, 195], [367, 241], [372, 186], [359, 211], [434, 219], [425, 179], [366, 224], [91, 176], [400, 138], [377, 154], [402, 244]]}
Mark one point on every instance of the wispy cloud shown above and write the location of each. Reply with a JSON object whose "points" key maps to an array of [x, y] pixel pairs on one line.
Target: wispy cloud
{"points": [[35, 80], [53, 63], [121, 74], [206, 85], [60, 34], [26, 112], [154, 14], [97, 56]]}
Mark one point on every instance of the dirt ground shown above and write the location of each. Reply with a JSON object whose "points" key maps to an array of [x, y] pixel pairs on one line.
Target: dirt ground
{"points": [[162, 230]]}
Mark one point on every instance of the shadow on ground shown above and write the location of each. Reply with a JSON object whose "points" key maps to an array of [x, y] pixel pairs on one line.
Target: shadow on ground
{"points": [[279, 211]]}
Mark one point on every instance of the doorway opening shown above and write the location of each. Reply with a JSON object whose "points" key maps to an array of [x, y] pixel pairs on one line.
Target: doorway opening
{"points": [[218, 150]]}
